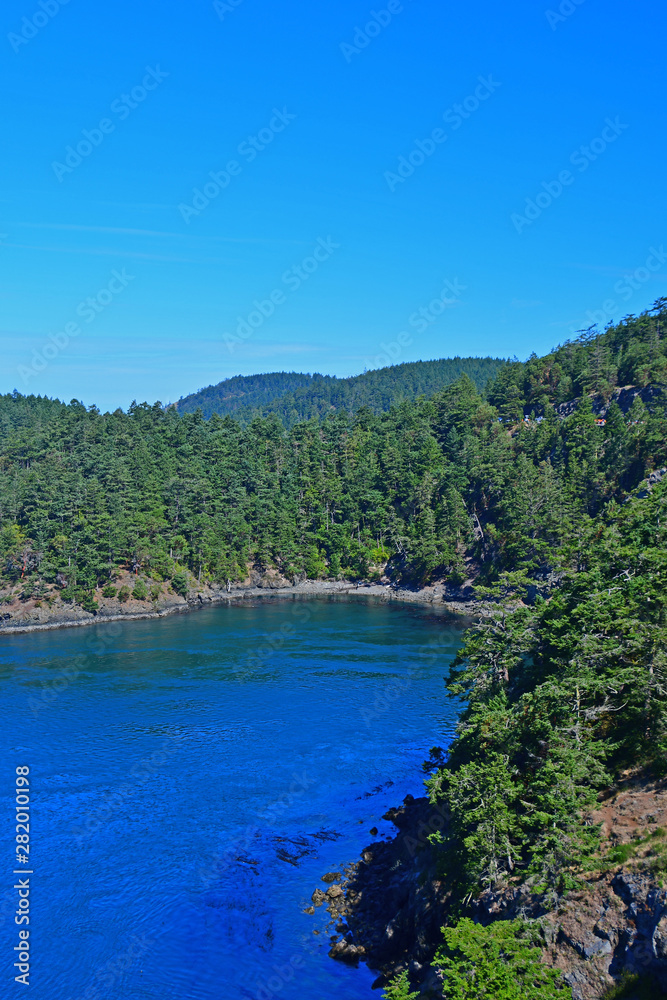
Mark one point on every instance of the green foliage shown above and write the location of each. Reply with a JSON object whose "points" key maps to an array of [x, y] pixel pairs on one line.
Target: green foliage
{"points": [[500, 961], [109, 590], [399, 988], [634, 987], [416, 473], [421, 472], [559, 696], [294, 398], [632, 353], [88, 603], [620, 853], [180, 584], [441, 481]]}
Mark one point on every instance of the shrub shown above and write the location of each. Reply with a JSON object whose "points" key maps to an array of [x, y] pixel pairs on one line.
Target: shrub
{"points": [[140, 592], [500, 961], [621, 853], [48, 571], [399, 988], [88, 603], [633, 987], [179, 583], [124, 593], [109, 590]]}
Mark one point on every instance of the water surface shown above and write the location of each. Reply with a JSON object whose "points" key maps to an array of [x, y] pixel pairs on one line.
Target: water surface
{"points": [[192, 780]]}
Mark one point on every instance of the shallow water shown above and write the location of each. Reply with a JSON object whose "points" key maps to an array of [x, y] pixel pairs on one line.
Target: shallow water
{"points": [[193, 778]]}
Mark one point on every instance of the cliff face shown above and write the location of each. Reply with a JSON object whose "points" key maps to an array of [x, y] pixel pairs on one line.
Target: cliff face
{"points": [[617, 926], [393, 905]]}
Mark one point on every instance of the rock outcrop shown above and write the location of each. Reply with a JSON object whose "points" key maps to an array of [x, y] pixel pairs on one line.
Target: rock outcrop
{"points": [[392, 904]]}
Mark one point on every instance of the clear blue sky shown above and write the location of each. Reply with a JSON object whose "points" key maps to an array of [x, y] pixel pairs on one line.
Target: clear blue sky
{"points": [[236, 70]]}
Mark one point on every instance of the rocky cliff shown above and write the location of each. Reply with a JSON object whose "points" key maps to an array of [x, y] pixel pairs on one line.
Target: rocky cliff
{"points": [[389, 907]]}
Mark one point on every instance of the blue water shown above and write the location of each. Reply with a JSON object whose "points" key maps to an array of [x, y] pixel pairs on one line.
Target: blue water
{"points": [[191, 781]]}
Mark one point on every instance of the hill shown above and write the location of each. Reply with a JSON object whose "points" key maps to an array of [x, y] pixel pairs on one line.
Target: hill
{"points": [[294, 397], [547, 494], [243, 392]]}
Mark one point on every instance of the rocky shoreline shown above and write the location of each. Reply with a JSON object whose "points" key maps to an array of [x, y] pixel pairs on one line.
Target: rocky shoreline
{"points": [[32, 616], [388, 908]]}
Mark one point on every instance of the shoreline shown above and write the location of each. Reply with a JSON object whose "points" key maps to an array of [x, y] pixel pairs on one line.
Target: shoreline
{"points": [[437, 596], [388, 906]]}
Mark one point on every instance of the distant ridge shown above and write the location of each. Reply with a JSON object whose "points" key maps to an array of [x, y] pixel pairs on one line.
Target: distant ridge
{"points": [[294, 397]]}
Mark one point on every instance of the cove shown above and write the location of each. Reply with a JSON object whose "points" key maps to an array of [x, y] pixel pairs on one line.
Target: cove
{"points": [[194, 777]]}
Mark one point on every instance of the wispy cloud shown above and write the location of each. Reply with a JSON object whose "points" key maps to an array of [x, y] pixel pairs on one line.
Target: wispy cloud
{"points": [[255, 350], [108, 252], [67, 227], [116, 230]]}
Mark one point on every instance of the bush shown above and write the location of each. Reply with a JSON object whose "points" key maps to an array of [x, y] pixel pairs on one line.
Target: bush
{"points": [[155, 592], [621, 853], [500, 961], [109, 590], [48, 571], [179, 583], [88, 603], [399, 988], [140, 592], [124, 593], [633, 987]]}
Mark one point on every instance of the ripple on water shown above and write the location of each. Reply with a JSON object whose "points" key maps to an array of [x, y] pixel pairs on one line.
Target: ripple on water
{"points": [[184, 810]]}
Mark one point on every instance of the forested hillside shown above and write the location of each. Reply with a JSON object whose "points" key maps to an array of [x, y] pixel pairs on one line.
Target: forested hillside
{"points": [[434, 487], [547, 489], [250, 393], [294, 398]]}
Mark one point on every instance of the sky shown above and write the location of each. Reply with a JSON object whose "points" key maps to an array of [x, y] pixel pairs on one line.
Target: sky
{"points": [[194, 191]]}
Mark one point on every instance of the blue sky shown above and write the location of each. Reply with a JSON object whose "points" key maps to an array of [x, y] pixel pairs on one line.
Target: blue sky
{"points": [[358, 215]]}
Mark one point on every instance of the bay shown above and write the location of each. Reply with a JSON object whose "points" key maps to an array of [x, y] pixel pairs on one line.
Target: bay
{"points": [[193, 778]]}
